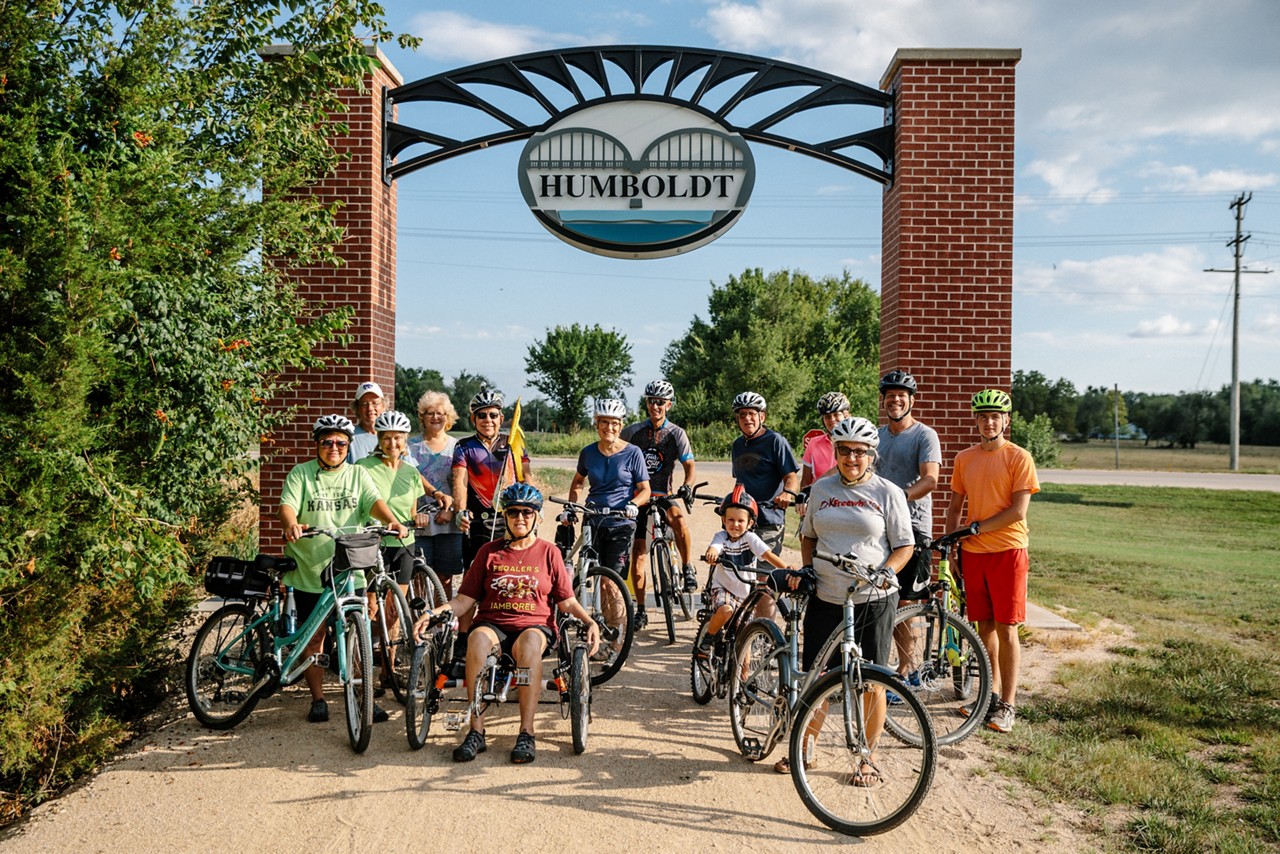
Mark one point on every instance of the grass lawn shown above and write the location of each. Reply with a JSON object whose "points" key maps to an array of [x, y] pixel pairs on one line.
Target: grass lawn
{"points": [[1174, 742], [1099, 454]]}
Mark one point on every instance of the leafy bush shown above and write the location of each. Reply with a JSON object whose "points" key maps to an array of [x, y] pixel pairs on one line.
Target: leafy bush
{"points": [[1038, 437]]}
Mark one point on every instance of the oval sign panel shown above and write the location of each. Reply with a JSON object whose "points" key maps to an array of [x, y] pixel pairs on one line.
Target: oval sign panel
{"points": [[637, 178]]}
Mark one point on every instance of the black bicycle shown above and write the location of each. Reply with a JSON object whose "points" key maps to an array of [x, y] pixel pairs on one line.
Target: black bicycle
{"points": [[666, 582]]}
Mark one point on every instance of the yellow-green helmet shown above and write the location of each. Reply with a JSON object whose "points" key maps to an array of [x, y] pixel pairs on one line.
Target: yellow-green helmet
{"points": [[991, 400]]}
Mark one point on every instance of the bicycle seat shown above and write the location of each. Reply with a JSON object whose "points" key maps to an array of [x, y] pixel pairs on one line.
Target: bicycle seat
{"points": [[271, 563]]}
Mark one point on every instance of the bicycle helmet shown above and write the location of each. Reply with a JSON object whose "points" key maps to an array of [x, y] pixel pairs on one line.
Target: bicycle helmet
{"points": [[610, 407], [991, 400], [898, 379], [392, 422], [660, 389], [486, 399], [749, 400], [739, 497], [832, 401], [521, 495], [856, 430], [332, 424]]}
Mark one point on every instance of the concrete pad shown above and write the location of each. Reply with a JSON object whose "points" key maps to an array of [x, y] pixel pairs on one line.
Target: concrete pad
{"points": [[1039, 617]]}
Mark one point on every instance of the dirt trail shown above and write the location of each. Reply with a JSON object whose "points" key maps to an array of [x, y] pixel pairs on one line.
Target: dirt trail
{"points": [[659, 770]]}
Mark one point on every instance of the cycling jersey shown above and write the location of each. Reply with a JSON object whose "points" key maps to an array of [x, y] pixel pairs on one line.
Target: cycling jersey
{"points": [[663, 447], [484, 467]]}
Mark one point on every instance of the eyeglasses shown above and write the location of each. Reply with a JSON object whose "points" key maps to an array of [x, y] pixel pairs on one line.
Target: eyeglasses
{"points": [[334, 443], [485, 416], [856, 453], [521, 512]]}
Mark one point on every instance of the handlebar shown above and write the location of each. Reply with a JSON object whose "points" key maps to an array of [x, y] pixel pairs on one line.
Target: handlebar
{"points": [[944, 543], [880, 577], [587, 510], [335, 533]]}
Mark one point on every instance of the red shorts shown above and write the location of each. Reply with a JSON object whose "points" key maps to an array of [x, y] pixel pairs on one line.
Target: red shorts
{"points": [[995, 585]]}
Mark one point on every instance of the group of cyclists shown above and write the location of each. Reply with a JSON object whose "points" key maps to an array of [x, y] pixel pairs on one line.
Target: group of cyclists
{"points": [[859, 489]]}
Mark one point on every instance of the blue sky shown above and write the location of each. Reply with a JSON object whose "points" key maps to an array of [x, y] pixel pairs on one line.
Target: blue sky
{"points": [[1138, 123]]}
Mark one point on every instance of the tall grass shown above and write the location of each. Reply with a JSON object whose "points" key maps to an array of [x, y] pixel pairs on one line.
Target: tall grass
{"points": [[1180, 727]]}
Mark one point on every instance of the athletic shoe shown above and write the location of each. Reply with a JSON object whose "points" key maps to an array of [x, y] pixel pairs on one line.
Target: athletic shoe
{"points": [[703, 649], [690, 579], [472, 746], [319, 712], [380, 714], [911, 680], [525, 749], [642, 619], [1002, 719], [966, 711]]}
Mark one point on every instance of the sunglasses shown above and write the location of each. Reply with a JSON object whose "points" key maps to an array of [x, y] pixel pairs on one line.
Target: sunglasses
{"points": [[856, 453], [333, 443], [521, 512], [485, 416]]}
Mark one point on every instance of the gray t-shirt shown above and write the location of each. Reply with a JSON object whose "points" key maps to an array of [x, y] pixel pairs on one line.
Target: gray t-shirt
{"points": [[869, 520], [898, 461]]}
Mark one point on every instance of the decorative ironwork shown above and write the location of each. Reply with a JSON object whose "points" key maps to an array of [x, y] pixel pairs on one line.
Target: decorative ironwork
{"points": [[527, 74]]}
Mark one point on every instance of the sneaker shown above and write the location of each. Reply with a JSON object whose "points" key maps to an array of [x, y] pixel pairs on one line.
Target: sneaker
{"points": [[380, 714], [911, 680], [703, 649], [966, 710], [642, 618], [690, 579], [472, 746], [524, 751], [319, 712], [1002, 719]]}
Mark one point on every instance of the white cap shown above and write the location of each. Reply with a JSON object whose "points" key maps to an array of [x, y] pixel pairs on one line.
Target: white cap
{"points": [[365, 388]]}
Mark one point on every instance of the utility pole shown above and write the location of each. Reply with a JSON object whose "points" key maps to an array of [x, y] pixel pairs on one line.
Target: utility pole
{"points": [[1238, 245]]}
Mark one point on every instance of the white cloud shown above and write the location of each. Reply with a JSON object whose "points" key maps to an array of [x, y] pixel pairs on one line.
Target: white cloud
{"points": [[1174, 273], [453, 36], [1168, 326], [1188, 178], [1269, 322]]}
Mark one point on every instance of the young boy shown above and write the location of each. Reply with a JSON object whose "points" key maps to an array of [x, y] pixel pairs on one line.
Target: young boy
{"points": [[738, 515]]}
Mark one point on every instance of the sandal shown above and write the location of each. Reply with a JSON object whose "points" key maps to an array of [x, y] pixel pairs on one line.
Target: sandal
{"points": [[866, 777], [783, 766]]}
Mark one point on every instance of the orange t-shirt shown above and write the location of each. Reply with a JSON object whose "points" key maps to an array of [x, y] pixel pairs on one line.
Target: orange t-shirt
{"points": [[988, 479]]}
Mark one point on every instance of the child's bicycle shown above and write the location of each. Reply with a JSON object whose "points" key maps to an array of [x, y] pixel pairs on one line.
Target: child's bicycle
{"points": [[945, 663], [667, 585], [847, 773], [570, 680], [247, 649], [710, 667], [602, 592]]}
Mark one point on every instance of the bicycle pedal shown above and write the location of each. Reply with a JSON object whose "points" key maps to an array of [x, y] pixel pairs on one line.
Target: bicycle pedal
{"points": [[322, 660], [752, 749], [453, 721]]}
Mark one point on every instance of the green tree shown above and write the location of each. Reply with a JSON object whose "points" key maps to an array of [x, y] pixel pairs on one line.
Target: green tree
{"points": [[1038, 436], [147, 164], [1033, 394], [411, 384], [576, 362], [787, 336], [1095, 411]]}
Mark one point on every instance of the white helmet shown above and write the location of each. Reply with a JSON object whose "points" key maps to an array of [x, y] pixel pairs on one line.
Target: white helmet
{"points": [[749, 400], [660, 389], [610, 407], [486, 399], [332, 424], [856, 430], [392, 422]]}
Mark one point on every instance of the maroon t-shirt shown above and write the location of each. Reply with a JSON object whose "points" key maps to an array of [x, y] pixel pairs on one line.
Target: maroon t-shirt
{"points": [[516, 590]]}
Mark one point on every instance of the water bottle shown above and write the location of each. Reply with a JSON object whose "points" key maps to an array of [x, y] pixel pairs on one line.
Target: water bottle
{"points": [[290, 612]]}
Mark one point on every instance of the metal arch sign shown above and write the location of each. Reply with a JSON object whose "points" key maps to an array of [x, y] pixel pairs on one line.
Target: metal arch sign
{"points": [[637, 178]]}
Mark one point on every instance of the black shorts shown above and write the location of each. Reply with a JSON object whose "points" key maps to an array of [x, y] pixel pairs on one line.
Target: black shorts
{"points": [[662, 502], [873, 628], [612, 544], [507, 640], [399, 563]]}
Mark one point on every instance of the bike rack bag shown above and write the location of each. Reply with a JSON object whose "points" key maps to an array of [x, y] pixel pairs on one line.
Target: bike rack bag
{"points": [[232, 578]]}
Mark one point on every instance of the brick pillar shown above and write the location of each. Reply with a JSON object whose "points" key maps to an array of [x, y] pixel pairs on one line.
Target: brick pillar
{"points": [[947, 269], [366, 283]]}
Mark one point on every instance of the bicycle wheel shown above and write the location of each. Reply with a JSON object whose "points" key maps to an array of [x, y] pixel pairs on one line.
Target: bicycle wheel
{"points": [[579, 697], [700, 673], [425, 587], [223, 666], [757, 697], [357, 689], [849, 777], [421, 695], [684, 597], [947, 666], [660, 556], [605, 596], [394, 628]]}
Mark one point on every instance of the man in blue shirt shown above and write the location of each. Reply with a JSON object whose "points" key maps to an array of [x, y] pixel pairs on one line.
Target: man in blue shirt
{"points": [[763, 462]]}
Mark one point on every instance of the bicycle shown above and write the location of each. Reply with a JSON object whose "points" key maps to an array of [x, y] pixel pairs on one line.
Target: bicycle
{"points": [[668, 589], [847, 775], [426, 591], [709, 670], [952, 666], [602, 592], [427, 679], [247, 649], [392, 629]]}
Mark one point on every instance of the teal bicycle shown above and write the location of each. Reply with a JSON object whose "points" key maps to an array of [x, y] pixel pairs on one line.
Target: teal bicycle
{"points": [[251, 646]]}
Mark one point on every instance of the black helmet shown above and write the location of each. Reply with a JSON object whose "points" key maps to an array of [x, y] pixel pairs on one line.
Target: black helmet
{"points": [[898, 379]]}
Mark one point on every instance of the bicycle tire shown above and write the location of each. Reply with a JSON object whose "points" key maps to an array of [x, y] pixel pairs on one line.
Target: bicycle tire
{"points": [[617, 621], [421, 695], [684, 597], [579, 697], [660, 556], [757, 698], [835, 752], [952, 666], [395, 636], [425, 587], [357, 690], [700, 669], [222, 667]]}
